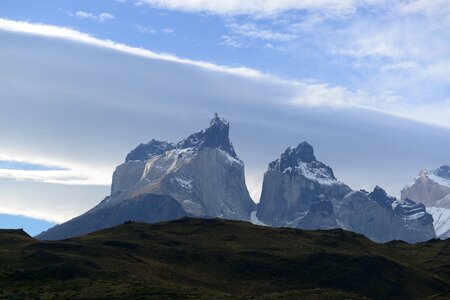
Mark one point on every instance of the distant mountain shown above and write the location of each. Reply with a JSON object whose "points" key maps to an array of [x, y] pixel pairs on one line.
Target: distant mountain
{"points": [[199, 176], [301, 192], [432, 188], [202, 176], [220, 259]]}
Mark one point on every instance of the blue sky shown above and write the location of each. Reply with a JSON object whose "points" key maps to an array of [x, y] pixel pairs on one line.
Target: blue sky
{"points": [[31, 226], [382, 47], [366, 82]]}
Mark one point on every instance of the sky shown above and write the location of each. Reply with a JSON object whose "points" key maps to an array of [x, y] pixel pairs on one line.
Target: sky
{"points": [[83, 82]]}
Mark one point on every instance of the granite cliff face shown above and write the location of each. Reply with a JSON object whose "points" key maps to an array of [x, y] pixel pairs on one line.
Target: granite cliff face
{"points": [[199, 176], [432, 188], [202, 176], [300, 191]]}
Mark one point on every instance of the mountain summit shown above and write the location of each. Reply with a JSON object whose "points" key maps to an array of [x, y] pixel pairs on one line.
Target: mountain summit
{"points": [[301, 160], [301, 192], [214, 137], [432, 188], [199, 176]]}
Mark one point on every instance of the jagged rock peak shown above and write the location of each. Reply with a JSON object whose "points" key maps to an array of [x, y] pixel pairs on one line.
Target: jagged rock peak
{"points": [[301, 160], [443, 171], [216, 136], [217, 121], [379, 195], [304, 152], [144, 152], [379, 192]]}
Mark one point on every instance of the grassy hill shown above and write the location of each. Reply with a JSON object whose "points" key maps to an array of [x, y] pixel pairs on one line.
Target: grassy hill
{"points": [[211, 258]]}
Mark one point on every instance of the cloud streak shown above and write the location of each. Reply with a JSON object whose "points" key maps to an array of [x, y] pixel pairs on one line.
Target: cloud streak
{"points": [[303, 93], [262, 7]]}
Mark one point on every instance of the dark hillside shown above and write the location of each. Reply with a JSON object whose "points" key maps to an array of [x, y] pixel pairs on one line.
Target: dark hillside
{"points": [[211, 258]]}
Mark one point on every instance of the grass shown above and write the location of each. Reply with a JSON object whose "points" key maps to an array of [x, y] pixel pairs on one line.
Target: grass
{"points": [[211, 258]]}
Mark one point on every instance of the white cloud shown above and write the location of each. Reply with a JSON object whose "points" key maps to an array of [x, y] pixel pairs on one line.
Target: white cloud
{"points": [[70, 34], [320, 94], [71, 177], [254, 31], [231, 41], [102, 17], [262, 7], [150, 30], [145, 29], [426, 7], [168, 30]]}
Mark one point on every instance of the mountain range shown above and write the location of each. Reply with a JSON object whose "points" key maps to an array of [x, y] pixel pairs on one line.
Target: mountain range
{"points": [[202, 176]]}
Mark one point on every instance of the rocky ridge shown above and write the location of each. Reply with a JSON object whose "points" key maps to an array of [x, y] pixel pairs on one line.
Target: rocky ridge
{"points": [[301, 192]]}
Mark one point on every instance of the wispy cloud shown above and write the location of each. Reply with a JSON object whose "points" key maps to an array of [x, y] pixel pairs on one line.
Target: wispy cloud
{"points": [[101, 18], [304, 93], [254, 31], [49, 172], [168, 30], [262, 7], [70, 34], [145, 29], [231, 41], [23, 165]]}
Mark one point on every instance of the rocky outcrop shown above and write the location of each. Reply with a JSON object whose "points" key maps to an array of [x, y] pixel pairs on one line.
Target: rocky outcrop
{"points": [[300, 191], [432, 188], [199, 176], [383, 218], [293, 183]]}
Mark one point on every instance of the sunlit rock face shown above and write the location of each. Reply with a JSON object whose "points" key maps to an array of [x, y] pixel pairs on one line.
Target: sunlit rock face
{"points": [[199, 176], [432, 188]]}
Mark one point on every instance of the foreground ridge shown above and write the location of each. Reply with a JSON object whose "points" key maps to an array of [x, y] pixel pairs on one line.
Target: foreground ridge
{"points": [[216, 258]]}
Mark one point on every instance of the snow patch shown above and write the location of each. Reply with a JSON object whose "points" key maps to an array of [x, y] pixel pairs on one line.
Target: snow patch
{"points": [[318, 174], [439, 180], [441, 221], [184, 183], [230, 158], [254, 219]]}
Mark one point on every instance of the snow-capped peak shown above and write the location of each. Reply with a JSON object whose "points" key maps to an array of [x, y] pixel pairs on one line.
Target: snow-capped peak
{"points": [[300, 160], [216, 136], [144, 152], [217, 121], [440, 176]]}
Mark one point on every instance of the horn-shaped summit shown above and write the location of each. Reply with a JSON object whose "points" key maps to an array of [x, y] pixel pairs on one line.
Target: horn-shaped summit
{"points": [[202, 176]]}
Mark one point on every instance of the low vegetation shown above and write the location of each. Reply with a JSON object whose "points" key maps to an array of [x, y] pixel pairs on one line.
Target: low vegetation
{"points": [[211, 258]]}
